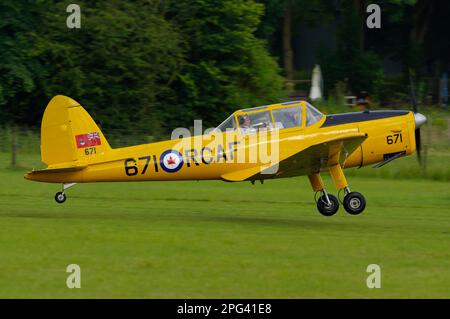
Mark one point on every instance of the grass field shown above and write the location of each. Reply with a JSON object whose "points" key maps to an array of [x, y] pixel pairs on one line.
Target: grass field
{"points": [[222, 240]]}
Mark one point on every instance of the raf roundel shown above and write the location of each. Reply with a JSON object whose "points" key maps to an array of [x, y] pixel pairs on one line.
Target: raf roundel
{"points": [[171, 161]]}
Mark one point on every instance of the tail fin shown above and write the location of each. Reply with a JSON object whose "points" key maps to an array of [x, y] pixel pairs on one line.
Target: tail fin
{"points": [[69, 134]]}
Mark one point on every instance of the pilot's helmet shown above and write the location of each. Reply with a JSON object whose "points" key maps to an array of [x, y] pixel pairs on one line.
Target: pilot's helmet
{"points": [[243, 118]]}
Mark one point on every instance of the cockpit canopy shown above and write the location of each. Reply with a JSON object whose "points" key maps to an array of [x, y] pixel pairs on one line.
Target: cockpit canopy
{"points": [[276, 116]]}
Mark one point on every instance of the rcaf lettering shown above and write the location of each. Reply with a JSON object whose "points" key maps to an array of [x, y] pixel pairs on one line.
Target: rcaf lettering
{"points": [[204, 161], [191, 155], [221, 154], [172, 161], [232, 148]]}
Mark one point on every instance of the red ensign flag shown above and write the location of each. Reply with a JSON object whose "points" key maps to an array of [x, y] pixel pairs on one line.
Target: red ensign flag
{"points": [[88, 140]]}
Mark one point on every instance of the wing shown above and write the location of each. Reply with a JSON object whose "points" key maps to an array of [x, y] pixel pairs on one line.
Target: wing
{"points": [[312, 159]]}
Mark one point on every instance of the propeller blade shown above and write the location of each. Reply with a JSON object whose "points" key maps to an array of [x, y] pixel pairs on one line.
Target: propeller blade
{"points": [[418, 145], [420, 119], [413, 93]]}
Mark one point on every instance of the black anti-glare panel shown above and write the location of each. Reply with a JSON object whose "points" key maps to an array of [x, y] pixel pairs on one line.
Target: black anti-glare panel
{"points": [[338, 119]]}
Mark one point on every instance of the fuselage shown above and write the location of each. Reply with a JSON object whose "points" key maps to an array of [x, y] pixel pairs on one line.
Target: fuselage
{"points": [[212, 156]]}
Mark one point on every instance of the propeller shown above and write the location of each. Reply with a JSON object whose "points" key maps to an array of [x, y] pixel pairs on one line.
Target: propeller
{"points": [[420, 119]]}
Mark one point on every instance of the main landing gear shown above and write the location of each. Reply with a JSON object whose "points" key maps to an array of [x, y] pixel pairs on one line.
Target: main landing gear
{"points": [[327, 204], [60, 197], [354, 202]]}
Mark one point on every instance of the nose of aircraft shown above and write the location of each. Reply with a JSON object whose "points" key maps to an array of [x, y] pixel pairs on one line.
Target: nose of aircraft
{"points": [[420, 119]]}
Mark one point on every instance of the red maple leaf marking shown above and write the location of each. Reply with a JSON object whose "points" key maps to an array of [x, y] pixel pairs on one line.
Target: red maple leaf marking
{"points": [[170, 161]]}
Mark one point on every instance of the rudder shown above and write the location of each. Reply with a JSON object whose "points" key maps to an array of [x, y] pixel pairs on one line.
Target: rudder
{"points": [[69, 134]]}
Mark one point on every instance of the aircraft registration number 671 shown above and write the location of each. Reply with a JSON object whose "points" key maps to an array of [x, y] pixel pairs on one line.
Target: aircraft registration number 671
{"points": [[393, 139], [132, 170], [90, 151]]}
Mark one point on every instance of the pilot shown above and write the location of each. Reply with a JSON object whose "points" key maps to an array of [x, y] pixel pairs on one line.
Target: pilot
{"points": [[244, 122], [294, 118]]}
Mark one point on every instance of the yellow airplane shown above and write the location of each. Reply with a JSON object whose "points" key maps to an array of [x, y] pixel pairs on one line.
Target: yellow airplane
{"points": [[266, 142]]}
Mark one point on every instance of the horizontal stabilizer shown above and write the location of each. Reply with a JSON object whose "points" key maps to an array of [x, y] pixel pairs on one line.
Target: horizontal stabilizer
{"points": [[57, 169]]}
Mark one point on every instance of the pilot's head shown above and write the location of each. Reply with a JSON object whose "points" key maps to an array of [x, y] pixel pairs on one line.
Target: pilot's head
{"points": [[244, 120]]}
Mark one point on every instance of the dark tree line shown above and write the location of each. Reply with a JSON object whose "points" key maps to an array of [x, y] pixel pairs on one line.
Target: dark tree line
{"points": [[414, 35], [143, 64], [158, 64]]}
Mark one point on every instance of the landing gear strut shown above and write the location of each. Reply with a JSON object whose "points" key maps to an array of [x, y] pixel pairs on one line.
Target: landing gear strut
{"points": [[60, 197], [354, 202], [327, 204]]}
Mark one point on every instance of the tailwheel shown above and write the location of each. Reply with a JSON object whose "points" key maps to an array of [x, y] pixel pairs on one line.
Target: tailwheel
{"points": [[327, 204], [60, 197], [354, 203]]}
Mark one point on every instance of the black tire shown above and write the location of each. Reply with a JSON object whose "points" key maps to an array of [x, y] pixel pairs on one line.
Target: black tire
{"points": [[326, 209], [354, 203], [60, 197]]}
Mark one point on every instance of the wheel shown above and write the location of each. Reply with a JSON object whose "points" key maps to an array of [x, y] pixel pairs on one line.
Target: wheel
{"points": [[60, 197], [354, 203], [324, 208]]}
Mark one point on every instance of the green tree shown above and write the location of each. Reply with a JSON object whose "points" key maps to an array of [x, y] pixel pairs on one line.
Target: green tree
{"points": [[17, 68], [280, 19], [227, 66], [146, 64], [119, 63], [353, 62]]}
